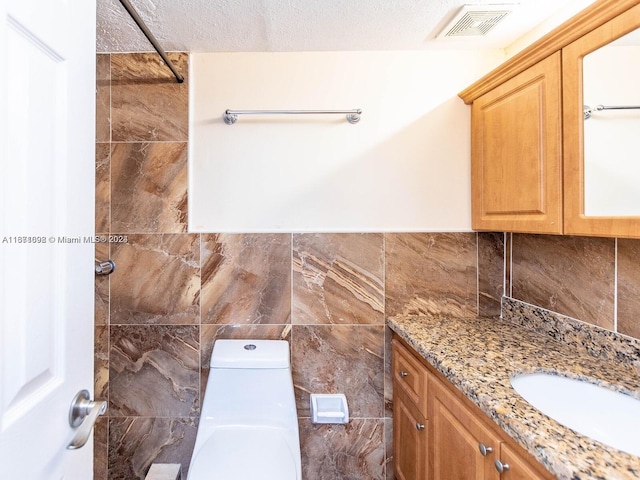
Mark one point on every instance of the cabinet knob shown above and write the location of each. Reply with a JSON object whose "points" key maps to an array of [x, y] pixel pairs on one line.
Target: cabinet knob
{"points": [[403, 374], [419, 426], [484, 450], [501, 467]]}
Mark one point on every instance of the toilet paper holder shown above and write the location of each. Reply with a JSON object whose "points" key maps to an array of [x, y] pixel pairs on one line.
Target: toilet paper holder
{"points": [[329, 408]]}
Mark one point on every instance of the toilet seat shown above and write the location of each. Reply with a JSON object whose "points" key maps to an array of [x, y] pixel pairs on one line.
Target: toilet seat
{"points": [[237, 452]]}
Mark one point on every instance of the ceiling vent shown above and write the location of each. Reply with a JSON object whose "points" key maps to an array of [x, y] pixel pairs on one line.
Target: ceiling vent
{"points": [[475, 20]]}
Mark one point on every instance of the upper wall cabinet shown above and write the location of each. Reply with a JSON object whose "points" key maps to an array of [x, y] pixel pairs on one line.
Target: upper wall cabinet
{"points": [[537, 165], [516, 153]]}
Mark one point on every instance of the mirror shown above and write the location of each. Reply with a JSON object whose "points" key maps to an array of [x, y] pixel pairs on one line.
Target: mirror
{"points": [[600, 155], [611, 97]]}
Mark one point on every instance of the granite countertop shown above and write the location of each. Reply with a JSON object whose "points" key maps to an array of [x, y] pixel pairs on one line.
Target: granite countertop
{"points": [[479, 355]]}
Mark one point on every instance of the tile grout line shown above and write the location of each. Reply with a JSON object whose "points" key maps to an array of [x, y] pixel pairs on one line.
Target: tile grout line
{"points": [[200, 396], [510, 279], [384, 361], [477, 274], [615, 286], [108, 416], [291, 292], [504, 267]]}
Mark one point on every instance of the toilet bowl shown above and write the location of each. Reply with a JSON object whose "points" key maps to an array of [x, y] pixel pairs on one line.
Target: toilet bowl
{"points": [[248, 425]]}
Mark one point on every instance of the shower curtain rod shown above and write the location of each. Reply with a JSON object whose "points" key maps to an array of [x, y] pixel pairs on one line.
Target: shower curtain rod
{"points": [[151, 38], [231, 116]]}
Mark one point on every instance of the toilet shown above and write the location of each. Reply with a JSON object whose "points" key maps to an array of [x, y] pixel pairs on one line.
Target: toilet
{"points": [[248, 425]]}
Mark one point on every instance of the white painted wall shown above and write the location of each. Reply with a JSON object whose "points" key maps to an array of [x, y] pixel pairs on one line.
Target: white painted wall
{"points": [[404, 167]]}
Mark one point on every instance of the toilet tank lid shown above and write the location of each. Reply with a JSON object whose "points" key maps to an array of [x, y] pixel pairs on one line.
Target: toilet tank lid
{"points": [[250, 354]]}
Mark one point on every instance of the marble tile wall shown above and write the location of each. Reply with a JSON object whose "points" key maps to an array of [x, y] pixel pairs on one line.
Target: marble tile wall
{"points": [[147, 312], [432, 274], [173, 294], [594, 280]]}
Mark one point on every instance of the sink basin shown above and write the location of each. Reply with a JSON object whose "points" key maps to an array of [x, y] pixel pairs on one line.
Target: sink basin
{"points": [[605, 415]]}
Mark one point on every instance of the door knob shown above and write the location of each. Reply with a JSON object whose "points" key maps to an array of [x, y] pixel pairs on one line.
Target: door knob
{"points": [[83, 413]]}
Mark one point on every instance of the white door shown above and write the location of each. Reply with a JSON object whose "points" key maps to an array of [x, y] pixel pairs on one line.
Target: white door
{"points": [[47, 118]]}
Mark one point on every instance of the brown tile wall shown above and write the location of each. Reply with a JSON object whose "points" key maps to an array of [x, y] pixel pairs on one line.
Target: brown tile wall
{"points": [[147, 312], [173, 293], [595, 280]]}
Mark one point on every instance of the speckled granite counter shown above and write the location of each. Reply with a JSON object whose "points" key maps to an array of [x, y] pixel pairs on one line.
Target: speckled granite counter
{"points": [[480, 355]]}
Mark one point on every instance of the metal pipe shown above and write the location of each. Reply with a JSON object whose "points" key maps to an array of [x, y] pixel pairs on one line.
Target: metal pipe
{"points": [[231, 116], [151, 38]]}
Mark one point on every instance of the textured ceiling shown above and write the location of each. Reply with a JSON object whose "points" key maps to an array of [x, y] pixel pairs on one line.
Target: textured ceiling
{"points": [[307, 25]]}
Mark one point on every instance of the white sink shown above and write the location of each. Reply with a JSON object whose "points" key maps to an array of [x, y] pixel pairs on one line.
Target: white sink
{"points": [[610, 417]]}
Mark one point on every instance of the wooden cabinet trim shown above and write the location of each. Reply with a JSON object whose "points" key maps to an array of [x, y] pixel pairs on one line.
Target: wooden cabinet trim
{"points": [[590, 18]]}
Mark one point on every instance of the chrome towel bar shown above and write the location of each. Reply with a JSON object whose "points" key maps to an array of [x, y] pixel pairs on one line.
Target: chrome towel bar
{"points": [[231, 116], [598, 108]]}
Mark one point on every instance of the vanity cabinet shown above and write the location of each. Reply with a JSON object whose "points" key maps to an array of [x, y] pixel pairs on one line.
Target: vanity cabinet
{"points": [[458, 440], [516, 153], [467, 446], [528, 135]]}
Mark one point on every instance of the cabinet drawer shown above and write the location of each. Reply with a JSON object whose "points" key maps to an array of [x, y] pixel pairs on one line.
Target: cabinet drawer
{"points": [[409, 376]]}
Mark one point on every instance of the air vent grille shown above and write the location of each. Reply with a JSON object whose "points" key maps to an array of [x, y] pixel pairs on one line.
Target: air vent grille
{"points": [[475, 20]]}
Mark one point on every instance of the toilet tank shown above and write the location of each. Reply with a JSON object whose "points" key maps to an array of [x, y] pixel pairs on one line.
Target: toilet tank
{"points": [[250, 383], [250, 354]]}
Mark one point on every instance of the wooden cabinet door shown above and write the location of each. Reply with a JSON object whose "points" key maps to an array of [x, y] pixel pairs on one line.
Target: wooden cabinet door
{"points": [[517, 467], [516, 153], [409, 440], [456, 435]]}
